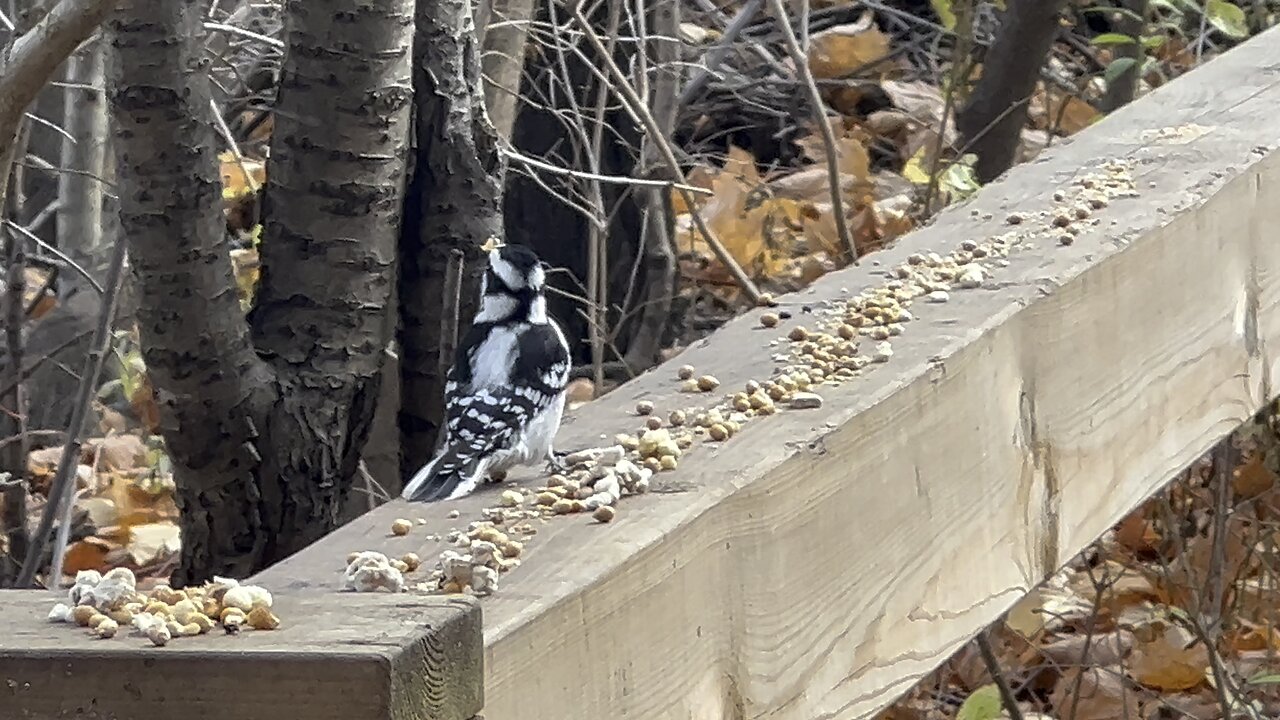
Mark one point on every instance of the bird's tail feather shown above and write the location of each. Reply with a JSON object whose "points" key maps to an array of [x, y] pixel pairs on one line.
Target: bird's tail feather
{"points": [[447, 476]]}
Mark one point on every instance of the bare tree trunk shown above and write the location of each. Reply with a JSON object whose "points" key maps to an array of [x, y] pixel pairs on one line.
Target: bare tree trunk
{"points": [[80, 220], [265, 435], [502, 62], [454, 204], [991, 124]]}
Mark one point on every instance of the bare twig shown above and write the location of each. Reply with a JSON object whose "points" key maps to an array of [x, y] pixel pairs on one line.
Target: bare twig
{"points": [[997, 676], [56, 253], [663, 145], [63, 487], [512, 154], [720, 50], [232, 145], [824, 126], [34, 58]]}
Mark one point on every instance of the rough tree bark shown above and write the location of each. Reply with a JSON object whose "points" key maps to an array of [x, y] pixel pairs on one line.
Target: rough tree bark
{"points": [[992, 121], [265, 420], [453, 204]]}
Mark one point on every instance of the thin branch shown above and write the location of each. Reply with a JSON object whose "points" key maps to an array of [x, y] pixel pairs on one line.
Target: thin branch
{"points": [[997, 676], [512, 154], [820, 116], [230, 139], [58, 254], [63, 487], [664, 146]]}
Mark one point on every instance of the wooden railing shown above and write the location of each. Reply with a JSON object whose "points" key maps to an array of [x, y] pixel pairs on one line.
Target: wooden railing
{"points": [[821, 561]]}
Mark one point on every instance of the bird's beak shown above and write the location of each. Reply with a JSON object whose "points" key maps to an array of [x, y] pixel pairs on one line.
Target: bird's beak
{"points": [[493, 243]]}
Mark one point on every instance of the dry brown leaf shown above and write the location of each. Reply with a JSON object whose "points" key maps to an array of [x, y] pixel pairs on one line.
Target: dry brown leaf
{"points": [[1170, 660], [1136, 533], [87, 554], [118, 452], [153, 541], [1094, 694], [1103, 649], [1054, 109], [102, 511], [1253, 478], [924, 104], [838, 51]]}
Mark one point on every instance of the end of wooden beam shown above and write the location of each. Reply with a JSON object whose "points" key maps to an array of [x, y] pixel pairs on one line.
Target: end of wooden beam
{"points": [[336, 656]]}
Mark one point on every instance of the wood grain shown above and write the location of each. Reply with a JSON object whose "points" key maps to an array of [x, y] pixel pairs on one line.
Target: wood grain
{"points": [[823, 561], [334, 657]]}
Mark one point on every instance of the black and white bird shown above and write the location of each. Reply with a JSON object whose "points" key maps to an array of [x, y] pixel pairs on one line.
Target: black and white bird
{"points": [[505, 393]]}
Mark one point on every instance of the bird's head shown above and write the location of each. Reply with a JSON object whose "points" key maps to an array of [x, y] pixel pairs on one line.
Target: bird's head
{"points": [[516, 269]]}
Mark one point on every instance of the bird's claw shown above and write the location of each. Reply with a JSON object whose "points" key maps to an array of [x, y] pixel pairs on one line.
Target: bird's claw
{"points": [[556, 463]]}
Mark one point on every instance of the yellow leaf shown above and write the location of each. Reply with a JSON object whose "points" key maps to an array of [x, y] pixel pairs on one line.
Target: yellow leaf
{"points": [[839, 51], [915, 169], [235, 182]]}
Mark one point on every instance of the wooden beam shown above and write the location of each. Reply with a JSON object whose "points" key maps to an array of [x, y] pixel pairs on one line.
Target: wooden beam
{"points": [[821, 562], [334, 657]]}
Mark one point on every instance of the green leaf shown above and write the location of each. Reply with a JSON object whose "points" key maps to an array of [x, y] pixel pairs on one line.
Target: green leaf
{"points": [[1117, 68], [1154, 42], [945, 13], [1227, 18], [1113, 39], [982, 704], [1264, 679]]}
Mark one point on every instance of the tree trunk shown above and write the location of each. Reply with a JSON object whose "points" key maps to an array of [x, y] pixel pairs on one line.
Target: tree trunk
{"points": [[264, 444], [80, 226], [453, 206], [991, 123]]}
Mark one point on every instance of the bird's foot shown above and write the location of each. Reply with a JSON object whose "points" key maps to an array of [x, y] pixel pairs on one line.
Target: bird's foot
{"points": [[556, 463]]}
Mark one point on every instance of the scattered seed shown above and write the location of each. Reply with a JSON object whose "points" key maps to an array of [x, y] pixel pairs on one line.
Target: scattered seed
{"points": [[401, 527], [604, 514], [938, 296], [511, 498], [769, 320], [805, 401], [644, 407], [718, 432], [677, 418], [798, 334], [707, 383]]}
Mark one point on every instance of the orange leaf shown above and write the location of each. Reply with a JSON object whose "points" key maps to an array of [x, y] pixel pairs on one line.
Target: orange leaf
{"points": [[87, 554]]}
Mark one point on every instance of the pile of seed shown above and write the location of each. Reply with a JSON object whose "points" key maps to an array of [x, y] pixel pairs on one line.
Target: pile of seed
{"points": [[845, 339], [105, 603]]}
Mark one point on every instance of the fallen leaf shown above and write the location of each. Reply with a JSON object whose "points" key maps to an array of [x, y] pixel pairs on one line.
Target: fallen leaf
{"points": [[118, 452], [87, 554], [1253, 478], [149, 542], [982, 704], [1170, 661], [1103, 649], [1094, 694], [838, 51]]}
